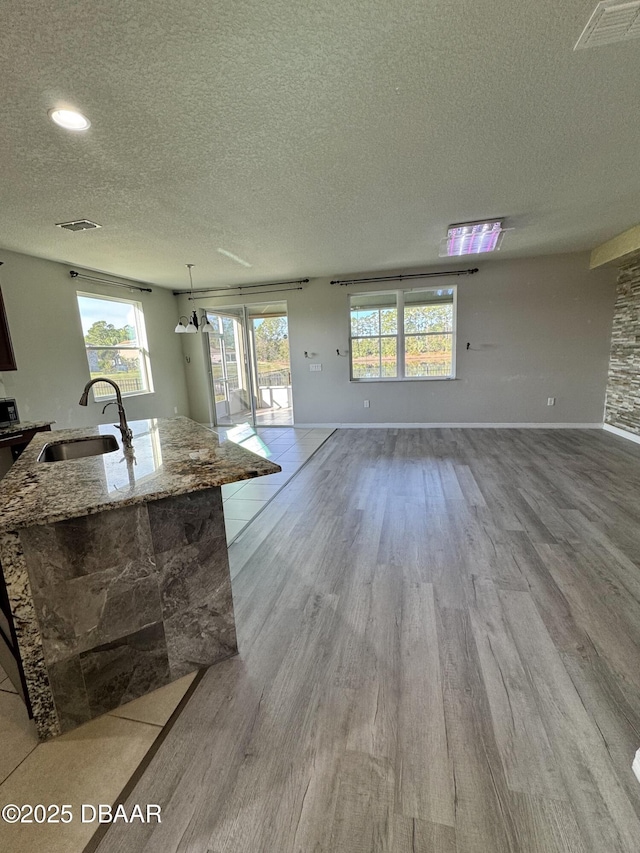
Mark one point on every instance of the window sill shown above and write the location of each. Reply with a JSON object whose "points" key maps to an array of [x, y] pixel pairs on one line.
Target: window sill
{"points": [[407, 379], [124, 394]]}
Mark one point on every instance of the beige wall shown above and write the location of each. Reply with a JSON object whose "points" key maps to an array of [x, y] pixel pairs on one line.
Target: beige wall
{"points": [[40, 300], [538, 328]]}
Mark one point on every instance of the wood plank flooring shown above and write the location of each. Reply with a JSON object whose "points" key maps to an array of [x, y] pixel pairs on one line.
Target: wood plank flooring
{"points": [[439, 653]]}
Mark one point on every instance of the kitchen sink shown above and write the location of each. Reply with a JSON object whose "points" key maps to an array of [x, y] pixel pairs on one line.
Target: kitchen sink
{"points": [[78, 448]]}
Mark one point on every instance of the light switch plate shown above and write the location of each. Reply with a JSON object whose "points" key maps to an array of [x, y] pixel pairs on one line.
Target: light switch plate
{"points": [[315, 366]]}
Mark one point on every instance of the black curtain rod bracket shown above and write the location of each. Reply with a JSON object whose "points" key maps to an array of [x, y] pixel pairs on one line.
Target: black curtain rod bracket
{"points": [[348, 281]]}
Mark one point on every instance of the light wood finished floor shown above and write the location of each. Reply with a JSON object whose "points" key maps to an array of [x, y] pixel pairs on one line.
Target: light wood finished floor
{"points": [[440, 653]]}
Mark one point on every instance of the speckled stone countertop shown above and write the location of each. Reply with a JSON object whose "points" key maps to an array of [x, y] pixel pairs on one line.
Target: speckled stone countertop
{"points": [[24, 426], [172, 457]]}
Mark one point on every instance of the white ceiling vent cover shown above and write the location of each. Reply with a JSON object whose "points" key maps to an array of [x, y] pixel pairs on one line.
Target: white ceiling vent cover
{"points": [[78, 225], [611, 21]]}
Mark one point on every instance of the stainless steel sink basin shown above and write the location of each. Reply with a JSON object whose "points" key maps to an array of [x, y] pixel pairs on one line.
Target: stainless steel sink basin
{"points": [[78, 448]]}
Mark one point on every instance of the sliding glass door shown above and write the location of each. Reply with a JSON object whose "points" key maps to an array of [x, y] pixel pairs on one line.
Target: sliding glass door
{"points": [[233, 400], [271, 372], [249, 363]]}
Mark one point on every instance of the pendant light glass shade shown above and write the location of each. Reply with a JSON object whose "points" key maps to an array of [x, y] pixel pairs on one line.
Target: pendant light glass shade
{"points": [[206, 326], [180, 328]]}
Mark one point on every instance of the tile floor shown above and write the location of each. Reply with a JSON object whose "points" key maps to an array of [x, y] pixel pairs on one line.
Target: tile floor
{"points": [[273, 417], [288, 447], [93, 763]]}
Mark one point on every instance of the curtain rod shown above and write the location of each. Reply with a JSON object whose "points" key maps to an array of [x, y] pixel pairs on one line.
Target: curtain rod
{"points": [[402, 277], [224, 290], [228, 293], [82, 275]]}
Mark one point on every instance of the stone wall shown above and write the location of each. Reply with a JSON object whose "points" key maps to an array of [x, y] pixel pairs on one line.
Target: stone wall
{"points": [[623, 385]]}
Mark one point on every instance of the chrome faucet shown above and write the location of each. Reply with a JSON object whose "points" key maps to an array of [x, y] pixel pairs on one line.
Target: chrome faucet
{"points": [[127, 435]]}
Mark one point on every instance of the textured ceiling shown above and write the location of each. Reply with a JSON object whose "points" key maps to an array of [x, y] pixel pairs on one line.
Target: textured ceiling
{"points": [[310, 139]]}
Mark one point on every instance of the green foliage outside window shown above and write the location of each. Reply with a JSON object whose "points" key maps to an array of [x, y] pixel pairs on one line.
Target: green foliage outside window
{"points": [[426, 330], [102, 333]]}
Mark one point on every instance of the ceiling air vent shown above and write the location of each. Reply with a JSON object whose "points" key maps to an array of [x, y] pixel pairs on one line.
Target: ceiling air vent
{"points": [[611, 21], [78, 225]]}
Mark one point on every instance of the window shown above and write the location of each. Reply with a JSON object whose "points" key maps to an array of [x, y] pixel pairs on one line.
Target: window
{"points": [[403, 334], [116, 344]]}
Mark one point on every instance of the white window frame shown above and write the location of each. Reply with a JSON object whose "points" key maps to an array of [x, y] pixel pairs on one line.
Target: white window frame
{"points": [[400, 337], [143, 346]]}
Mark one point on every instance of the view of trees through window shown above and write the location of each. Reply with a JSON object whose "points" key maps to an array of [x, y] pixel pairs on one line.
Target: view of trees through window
{"points": [[271, 337], [374, 343], [426, 333], [223, 351], [271, 340], [112, 338]]}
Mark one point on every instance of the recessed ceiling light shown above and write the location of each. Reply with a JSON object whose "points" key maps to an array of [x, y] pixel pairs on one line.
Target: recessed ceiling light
{"points": [[69, 119], [472, 238], [234, 258]]}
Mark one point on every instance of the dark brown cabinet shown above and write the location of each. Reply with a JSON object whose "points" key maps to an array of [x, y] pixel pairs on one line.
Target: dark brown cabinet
{"points": [[7, 358]]}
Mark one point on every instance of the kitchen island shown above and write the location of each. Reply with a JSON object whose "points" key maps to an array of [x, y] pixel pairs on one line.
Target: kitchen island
{"points": [[116, 566]]}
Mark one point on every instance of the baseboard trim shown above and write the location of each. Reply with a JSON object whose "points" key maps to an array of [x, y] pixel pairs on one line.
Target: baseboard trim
{"points": [[623, 433], [451, 426]]}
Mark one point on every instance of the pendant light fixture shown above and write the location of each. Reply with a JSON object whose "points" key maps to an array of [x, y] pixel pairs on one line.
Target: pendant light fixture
{"points": [[192, 323], [192, 326]]}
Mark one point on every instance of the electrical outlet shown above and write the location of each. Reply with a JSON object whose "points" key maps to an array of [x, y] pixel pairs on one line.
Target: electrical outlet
{"points": [[316, 366], [551, 401], [175, 410], [366, 404]]}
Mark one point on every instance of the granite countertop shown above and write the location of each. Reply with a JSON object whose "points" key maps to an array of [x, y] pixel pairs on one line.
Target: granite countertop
{"points": [[24, 426], [172, 457]]}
